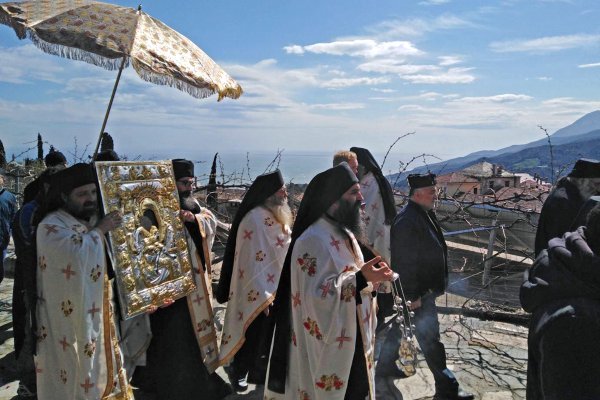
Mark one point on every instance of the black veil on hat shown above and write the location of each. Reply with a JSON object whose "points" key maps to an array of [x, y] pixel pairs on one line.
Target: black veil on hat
{"points": [[54, 158], [65, 180], [182, 168], [323, 190], [263, 187], [366, 159]]}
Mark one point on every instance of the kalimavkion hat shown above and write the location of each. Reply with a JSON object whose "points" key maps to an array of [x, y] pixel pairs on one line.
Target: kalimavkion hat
{"points": [[73, 177], [183, 168], [585, 168], [417, 181]]}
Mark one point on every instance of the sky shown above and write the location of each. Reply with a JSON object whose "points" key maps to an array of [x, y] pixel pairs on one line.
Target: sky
{"points": [[321, 76]]}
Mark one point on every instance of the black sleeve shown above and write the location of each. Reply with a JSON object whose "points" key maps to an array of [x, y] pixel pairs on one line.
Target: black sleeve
{"points": [[404, 243], [361, 283]]}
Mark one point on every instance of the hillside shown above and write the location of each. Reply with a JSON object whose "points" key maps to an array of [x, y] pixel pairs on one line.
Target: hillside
{"points": [[579, 139]]}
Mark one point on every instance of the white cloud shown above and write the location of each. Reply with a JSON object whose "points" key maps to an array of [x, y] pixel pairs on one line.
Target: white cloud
{"points": [[446, 61], [499, 98], [546, 44], [366, 48], [593, 65], [384, 90], [389, 66], [25, 64], [544, 78], [338, 106], [451, 76], [346, 82], [399, 28]]}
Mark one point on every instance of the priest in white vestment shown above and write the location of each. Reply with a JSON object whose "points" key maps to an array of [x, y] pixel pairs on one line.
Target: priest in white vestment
{"points": [[78, 354], [325, 306], [258, 241]]}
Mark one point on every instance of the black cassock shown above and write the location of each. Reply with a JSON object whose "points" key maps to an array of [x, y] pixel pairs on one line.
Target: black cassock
{"points": [[174, 368]]}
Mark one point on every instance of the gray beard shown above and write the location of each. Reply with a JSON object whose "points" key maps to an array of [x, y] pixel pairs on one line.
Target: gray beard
{"points": [[282, 213]]}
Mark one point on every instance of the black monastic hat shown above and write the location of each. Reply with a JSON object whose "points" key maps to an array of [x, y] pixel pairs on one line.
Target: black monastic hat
{"points": [[366, 159], [73, 177], [263, 187], [54, 158], [107, 155], [183, 168], [417, 181], [585, 168]]}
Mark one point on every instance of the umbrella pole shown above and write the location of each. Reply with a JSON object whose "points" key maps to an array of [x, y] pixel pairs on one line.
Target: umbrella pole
{"points": [[112, 97]]}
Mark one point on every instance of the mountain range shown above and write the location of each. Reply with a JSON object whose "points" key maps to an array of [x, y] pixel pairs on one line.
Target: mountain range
{"points": [[581, 139]]}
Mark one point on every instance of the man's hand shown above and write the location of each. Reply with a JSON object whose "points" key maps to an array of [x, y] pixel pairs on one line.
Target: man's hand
{"points": [[374, 274], [415, 304], [186, 216], [110, 222]]}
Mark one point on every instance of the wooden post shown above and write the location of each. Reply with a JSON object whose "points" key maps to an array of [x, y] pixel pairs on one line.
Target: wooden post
{"points": [[112, 97], [487, 265]]}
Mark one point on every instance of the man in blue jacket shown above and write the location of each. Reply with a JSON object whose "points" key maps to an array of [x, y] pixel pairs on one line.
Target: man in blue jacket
{"points": [[420, 256], [8, 208]]}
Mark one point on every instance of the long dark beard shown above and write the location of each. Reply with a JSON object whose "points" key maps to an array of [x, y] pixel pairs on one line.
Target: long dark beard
{"points": [[187, 202], [348, 215]]}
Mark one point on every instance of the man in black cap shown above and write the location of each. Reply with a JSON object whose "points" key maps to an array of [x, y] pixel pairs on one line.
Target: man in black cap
{"points": [[325, 310], [562, 292], [420, 256], [562, 207], [77, 355], [258, 241], [182, 355]]}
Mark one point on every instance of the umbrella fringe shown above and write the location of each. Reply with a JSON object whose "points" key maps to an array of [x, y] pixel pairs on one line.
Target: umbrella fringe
{"points": [[159, 79], [75, 54]]}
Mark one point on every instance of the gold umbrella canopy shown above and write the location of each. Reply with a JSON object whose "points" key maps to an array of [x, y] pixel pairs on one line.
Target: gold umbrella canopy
{"points": [[108, 35]]}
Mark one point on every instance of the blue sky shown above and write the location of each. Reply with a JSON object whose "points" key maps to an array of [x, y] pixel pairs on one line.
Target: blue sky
{"points": [[326, 75]]}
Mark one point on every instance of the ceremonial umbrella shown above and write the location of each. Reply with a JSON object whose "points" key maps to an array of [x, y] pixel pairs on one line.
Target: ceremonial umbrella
{"points": [[111, 37]]}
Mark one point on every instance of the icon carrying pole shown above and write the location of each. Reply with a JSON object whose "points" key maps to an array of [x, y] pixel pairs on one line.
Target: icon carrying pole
{"points": [[112, 97]]}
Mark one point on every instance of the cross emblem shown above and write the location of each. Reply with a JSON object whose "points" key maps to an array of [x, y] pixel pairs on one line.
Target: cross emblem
{"points": [[280, 243], [68, 272], [241, 276], [86, 385], [248, 234], [296, 299], [240, 315], [93, 310], [343, 338], [374, 206], [365, 184], [271, 278], [198, 299], [379, 233], [334, 243], [347, 268], [50, 229], [325, 289], [64, 343]]}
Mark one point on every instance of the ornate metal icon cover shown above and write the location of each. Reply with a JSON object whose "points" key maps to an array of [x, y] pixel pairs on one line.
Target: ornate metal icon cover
{"points": [[149, 252]]}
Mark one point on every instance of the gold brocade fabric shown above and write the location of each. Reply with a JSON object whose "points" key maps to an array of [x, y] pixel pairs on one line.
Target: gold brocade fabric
{"points": [[103, 34]]}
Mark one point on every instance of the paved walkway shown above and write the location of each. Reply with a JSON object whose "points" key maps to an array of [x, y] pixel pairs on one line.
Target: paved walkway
{"points": [[488, 358]]}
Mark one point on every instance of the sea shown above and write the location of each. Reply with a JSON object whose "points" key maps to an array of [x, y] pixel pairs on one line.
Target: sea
{"points": [[296, 167]]}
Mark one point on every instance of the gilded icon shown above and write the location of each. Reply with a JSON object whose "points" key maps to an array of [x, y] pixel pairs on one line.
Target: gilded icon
{"points": [[149, 251]]}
